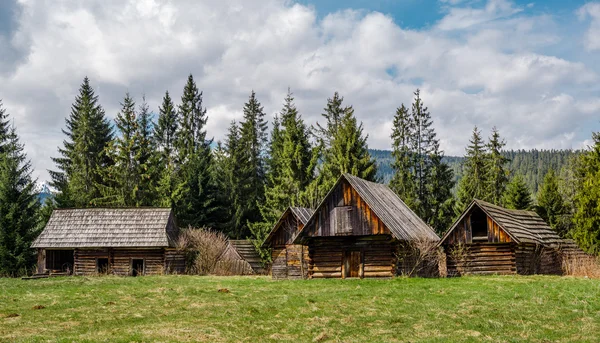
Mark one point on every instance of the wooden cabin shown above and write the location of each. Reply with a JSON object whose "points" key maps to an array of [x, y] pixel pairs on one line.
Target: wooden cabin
{"points": [[289, 259], [489, 239], [120, 241], [239, 258], [361, 229]]}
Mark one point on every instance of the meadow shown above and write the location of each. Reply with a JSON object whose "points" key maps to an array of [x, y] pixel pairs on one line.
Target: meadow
{"points": [[257, 309]]}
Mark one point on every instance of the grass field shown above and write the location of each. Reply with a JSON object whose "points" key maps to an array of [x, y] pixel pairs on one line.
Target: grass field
{"points": [[257, 309]]}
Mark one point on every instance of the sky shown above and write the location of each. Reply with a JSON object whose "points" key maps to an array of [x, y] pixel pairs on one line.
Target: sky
{"points": [[528, 68]]}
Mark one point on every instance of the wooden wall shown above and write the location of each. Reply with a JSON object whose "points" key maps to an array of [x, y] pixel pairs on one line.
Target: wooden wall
{"points": [[481, 259], [535, 259], [290, 262], [327, 256], [463, 232], [174, 261], [362, 220], [286, 230], [119, 260]]}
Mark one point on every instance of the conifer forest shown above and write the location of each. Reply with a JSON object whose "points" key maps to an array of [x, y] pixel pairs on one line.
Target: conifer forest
{"points": [[165, 157]]}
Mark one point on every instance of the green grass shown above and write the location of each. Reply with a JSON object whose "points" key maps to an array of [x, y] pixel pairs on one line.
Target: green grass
{"points": [[257, 309]]}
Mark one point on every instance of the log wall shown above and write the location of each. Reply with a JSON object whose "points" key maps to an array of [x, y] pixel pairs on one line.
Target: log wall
{"points": [[481, 259], [119, 260], [174, 261], [535, 259], [329, 256], [290, 262]]}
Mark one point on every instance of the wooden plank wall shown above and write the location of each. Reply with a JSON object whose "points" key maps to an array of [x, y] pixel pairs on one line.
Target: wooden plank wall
{"points": [[286, 230], [463, 232], [174, 261], [326, 256], [279, 265], [535, 259], [119, 260], [297, 266], [362, 218], [481, 259]]}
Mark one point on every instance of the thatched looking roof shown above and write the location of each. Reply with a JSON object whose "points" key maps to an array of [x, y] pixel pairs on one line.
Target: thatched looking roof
{"points": [[402, 222], [108, 228], [522, 226]]}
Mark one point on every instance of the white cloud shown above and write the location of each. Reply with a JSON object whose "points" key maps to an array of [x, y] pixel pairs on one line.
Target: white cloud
{"points": [[592, 37], [484, 67]]}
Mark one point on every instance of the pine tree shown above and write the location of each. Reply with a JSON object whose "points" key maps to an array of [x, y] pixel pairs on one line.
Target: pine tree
{"points": [[147, 166], [343, 145], [403, 182], [84, 154], [291, 168], [550, 203], [586, 231], [5, 129], [424, 145], [497, 177], [191, 135], [251, 152], [19, 207], [119, 183], [164, 139], [517, 195], [196, 193], [473, 183]]}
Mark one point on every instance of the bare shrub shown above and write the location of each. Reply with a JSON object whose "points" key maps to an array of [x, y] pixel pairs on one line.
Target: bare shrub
{"points": [[419, 258], [202, 248], [459, 259], [580, 265]]}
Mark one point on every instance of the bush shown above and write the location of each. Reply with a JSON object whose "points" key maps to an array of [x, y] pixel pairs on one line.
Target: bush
{"points": [[202, 248], [419, 258]]}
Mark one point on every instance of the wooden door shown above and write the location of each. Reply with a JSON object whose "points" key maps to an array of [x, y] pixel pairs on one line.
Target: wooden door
{"points": [[352, 263]]}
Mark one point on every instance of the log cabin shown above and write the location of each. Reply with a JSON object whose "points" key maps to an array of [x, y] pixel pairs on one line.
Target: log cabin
{"points": [[119, 241], [489, 239], [360, 230], [239, 258], [289, 260]]}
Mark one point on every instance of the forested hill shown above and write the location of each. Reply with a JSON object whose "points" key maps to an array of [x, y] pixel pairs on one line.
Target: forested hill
{"points": [[532, 164]]}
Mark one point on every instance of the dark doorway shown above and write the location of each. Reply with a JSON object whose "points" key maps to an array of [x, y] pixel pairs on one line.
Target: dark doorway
{"points": [[352, 262], [102, 265], [59, 261], [137, 267]]}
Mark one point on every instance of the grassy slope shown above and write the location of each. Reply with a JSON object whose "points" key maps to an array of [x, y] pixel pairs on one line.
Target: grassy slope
{"points": [[186, 308]]}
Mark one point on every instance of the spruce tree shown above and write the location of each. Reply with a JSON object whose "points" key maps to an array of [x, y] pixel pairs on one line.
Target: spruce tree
{"points": [[550, 203], [403, 182], [147, 166], [291, 168], [517, 195], [474, 181], [195, 200], [164, 139], [120, 182], [84, 154], [497, 177], [251, 152], [586, 230], [345, 148], [19, 207]]}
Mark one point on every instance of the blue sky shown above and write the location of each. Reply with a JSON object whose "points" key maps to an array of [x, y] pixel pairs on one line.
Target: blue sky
{"points": [[528, 68]]}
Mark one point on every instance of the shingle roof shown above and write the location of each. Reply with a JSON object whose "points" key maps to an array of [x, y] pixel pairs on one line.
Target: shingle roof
{"points": [[391, 210], [522, 226], [108, 227], [303, 214]]}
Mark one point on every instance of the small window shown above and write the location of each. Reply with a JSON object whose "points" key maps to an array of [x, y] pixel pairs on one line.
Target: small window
{"points": [[102, 265], [341, 221], [137, 267]]}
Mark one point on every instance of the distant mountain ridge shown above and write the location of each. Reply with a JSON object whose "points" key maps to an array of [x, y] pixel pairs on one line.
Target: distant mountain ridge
{"points": [[532, 164]]}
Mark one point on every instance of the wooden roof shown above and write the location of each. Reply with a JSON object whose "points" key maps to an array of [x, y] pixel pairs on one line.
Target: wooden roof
{"points": [[522, 226], [243, 250], [302, 214], [108, 227], [400, 220]]}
